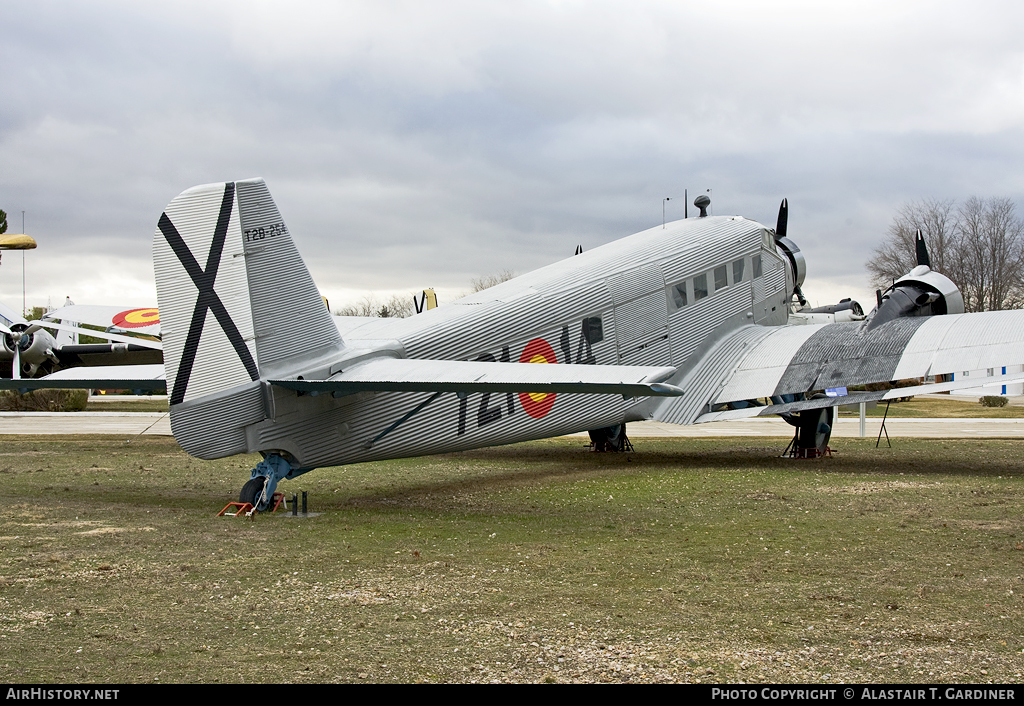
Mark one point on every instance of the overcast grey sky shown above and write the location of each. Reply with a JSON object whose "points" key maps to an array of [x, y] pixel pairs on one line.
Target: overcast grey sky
{"points": [[413, 144]]}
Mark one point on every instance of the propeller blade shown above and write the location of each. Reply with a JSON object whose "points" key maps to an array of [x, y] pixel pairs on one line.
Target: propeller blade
{"points": [[16, 363], [783, 221], [922, 250]]}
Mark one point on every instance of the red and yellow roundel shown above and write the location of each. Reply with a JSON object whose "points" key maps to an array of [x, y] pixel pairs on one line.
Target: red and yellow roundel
{"points": [[136, 318], [537, 404]]}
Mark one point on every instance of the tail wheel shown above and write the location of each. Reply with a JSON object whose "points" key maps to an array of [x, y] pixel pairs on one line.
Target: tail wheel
{"points": [[252, 492]]}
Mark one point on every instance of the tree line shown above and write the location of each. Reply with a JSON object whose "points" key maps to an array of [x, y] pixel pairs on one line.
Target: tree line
{"points": [[399, 306], [978, 244]]}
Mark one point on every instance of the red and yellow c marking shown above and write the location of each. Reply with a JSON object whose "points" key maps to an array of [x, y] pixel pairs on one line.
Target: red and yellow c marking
{"points": [[136, 318], [537, 404]]}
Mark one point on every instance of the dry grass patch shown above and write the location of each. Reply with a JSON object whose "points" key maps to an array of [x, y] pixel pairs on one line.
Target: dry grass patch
{"points": [[689, 560]]}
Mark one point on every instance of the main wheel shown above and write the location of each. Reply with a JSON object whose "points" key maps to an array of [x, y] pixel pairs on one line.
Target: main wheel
{"points": [[607, 438], [252, 491], [815, 429]]}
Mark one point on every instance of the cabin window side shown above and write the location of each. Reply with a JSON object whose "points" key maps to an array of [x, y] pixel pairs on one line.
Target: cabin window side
{"points": [[700, 287], [721, 275], [738, 270], [679, 295]]}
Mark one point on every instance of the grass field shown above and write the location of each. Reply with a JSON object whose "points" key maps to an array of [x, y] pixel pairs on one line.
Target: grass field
{"points": [[126, 403], [689, 560], [942, 408], [930, 407]]}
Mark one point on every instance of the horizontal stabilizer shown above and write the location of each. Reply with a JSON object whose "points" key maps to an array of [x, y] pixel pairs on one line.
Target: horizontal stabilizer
{"points": [[413, 375]]}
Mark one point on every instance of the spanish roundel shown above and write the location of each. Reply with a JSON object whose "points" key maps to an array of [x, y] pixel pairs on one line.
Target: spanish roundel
{"points": [[136, 318], [537, 404]]}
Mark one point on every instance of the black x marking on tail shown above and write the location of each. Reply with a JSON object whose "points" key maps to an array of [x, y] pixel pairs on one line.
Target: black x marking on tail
{"points": [[207, 299]]}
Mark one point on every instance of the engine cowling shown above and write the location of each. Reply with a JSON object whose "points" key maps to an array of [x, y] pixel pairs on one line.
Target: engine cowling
{"points": [[921, 292], [34, 348]]}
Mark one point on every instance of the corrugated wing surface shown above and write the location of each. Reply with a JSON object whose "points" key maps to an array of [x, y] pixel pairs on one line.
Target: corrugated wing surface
{"points": [[706, 376], [958, 342], [758, 372]]}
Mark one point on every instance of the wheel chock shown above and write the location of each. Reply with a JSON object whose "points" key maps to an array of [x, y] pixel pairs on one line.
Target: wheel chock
{"points": [[246, 509], [239, 509]]}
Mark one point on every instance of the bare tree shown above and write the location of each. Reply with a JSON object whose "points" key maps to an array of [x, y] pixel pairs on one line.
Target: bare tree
{"points": [[481, 283], [1004, 249], [402, 306], [397, 306], [978, 244], [897, 256]]}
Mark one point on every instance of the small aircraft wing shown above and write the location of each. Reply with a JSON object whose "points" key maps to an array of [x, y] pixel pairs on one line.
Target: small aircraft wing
{"points": [[107, 354], [825, 400], [142, 320], [763, 362], [110, 377], [417, 375], [118, 338]]}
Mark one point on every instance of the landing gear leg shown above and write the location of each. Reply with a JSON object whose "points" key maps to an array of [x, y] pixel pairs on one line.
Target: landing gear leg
{"points": [[813, 432], [610, 439], [265, 477]]}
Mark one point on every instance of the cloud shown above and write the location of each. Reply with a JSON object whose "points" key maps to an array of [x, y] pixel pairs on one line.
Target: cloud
{"points": [[412, 144]]}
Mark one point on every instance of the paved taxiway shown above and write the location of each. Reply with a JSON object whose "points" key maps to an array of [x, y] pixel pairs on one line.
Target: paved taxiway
{"points": [[135, 423]]}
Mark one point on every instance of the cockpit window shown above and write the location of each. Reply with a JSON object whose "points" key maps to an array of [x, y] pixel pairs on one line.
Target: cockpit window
{"points": [[756, 269], [679, 295], [737, 271]]}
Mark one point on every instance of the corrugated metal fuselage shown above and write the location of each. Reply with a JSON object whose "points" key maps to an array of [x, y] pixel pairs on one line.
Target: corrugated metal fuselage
{"points": [[649, 299]]}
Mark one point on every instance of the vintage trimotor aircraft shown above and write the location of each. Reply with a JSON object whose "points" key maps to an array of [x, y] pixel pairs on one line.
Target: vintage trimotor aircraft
{"points": [[689, 322]]}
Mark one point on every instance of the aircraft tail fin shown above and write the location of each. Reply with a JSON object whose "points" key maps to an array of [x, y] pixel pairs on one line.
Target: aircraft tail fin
{"points": [[237, 304]]}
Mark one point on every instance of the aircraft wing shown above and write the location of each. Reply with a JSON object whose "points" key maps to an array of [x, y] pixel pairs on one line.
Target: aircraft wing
{"points": [[115, 337], [144, 320], [107, 354], [110, 377], [402, 375], [757, 362], [417, 375]]}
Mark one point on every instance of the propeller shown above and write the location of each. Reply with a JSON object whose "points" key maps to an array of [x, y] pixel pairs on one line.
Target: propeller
{"points": [[15, 338], [783, 221], [922, 250], [21, 337], [796, 258]]}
